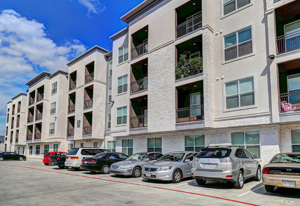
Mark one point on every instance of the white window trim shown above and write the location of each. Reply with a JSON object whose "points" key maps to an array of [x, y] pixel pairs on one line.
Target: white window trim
{"points": [[292, 141], [123, 46], [110, 64], [236, 9], [245, 144], [127, 146], [55, 150], [194, 142]]}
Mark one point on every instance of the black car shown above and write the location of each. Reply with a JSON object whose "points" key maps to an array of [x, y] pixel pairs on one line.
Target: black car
{"points": [[102, 161], [11, 156]]}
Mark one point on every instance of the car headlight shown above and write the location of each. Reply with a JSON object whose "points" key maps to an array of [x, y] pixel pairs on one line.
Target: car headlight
{"points": [[125, 167], [166, 168]]}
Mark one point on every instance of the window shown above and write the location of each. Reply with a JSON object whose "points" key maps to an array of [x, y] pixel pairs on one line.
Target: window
{"points": [[296, 140], [30, 150], [109, 95], [46, 149], [123, 53], [291, 31], [111, 145], [37, 149], [247, 140], [127, 146], [122, 84], [121, 115], [53, 108], [55, 147], [52, 128], [54, 88], [238, 44], [239, 93], [195, 104], [231, 5], [154, 144], [81, 145], [293, 88], [70, 147], [110, 68], [108, 121], [95, 144], [194, 143]]}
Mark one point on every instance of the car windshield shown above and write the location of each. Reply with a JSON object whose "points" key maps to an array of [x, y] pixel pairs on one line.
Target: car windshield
{"points": [[137, 157], [100, 156], [214, 153], [286, 158], [73, 152], [175, 157]]}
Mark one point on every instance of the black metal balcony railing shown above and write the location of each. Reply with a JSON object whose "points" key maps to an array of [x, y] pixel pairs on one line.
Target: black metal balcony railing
{"points": [[40, 97], [51, 131], [190, 114], [71, 108], [138, 121], [17, 139], [87, 130], [12, 125], [53, 111], [13, 111], [31, 101], [39, 116], [11, 139], [292, 98], [70, 132], [139, 85], [30, 119], [192, 24], [37, 136], [88, 103], [29, 137], [18, 124], [89, 77], [72, 85], [288, 42], [140, 49], [54, 91]]}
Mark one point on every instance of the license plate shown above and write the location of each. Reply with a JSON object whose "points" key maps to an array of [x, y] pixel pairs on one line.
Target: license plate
{"points": [[289, 183], [148, 175], [208, 166]]}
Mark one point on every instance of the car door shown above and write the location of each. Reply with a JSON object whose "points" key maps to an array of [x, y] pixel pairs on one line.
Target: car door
{"points": [[6, 156], [14, 156], [244, 160], [112, 158], [187, 166], [252, 163]]}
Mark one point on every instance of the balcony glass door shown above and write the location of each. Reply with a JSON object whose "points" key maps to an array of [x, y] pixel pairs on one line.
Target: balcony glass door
{"points": [[294, 88], [195, 104], [145, 113], [292, 34]]}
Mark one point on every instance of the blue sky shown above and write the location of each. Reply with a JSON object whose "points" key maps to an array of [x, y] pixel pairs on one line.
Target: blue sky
{"points": [[43, 35]]}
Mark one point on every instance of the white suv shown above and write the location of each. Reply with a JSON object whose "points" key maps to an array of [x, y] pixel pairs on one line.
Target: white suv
{"points": [[73, 159]]}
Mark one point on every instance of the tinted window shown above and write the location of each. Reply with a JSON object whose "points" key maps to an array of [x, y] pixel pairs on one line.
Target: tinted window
{"points": [[90, 151], [214, 153], [248, 155], [157, 155], [190, 156], [100, 156], [176, 157], [73, 152], [122, 156], [113, 156], [240, 153], [47, 154]]}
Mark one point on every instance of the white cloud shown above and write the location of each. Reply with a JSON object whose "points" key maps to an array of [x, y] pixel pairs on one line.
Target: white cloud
{"points": [[93, 6], [25, 50]]}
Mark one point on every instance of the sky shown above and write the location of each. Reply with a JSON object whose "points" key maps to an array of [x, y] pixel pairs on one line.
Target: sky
{"points": [[43, 35]]}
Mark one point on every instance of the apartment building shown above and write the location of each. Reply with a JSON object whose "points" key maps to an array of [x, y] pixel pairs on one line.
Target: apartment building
{"points": [[15, 138], [87, 99], [46, 114]]}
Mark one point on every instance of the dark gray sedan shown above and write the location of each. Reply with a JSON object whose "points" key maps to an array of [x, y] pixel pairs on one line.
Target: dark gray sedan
{"points": [[173, 166], [133, 165]]}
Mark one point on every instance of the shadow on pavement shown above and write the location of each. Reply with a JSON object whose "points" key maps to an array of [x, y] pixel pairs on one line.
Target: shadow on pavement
{"points": [[279, 192]]}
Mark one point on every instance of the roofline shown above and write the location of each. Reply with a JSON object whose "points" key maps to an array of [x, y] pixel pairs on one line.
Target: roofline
{"points": [[9, 102], [109, 54], [59, 72], [21, 94], [136, 11], [96, 47], [119, 33], [36, 78]]}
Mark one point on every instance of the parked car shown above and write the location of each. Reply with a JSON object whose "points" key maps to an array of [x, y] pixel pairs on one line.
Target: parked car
{"points": [[173, 166], [133, 165], [11, 156], [101, 162], [58, 160], [47, 157], [282, 171], [225, 164], [74, 157]]}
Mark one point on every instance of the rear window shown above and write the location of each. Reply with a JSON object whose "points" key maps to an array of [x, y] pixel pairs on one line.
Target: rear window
{"points": [[91, 151], [73, 152], [101, 156], [286, 158], [214, 153]]}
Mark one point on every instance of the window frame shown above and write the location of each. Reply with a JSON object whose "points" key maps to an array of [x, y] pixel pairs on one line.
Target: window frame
{"points": [[123, 53], [123, 84], [194, 145], [127, 148], [126, 115], [154, 148], [46, 151], [235, 4], [53, 103], [109, 95], [50, 128], [111, 145], [95, 144], [54, 88], [108, 121], [244, 146], [294, 144], [110, 64], [37, 149], [54, 148]]}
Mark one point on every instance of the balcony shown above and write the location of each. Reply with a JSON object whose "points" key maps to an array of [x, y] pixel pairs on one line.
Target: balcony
{"points": [[139, 76], [40, 97], [139, 112], [89, 77], [30, 119], [289, 42], [139, 44], [38, 116], [72, 85], [139, 49], [31, 101], [17, 139], [88, 103], [190, 114], [87, 123], [139, 85], [37, 136], [89, 72], [29, 137], [71, 108], [18, 125], [70, 132], [138, 121], [192, 24], [87, 130]]}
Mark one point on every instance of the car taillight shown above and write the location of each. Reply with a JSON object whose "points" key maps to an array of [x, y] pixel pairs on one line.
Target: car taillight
{"points": [[58, 158], [225, 160], [266, 171], [92, 162], [74, 158], [67, 157]]}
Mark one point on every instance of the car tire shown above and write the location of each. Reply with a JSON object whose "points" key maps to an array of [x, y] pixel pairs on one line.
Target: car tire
{"points": [[61, 167], [105, 169], [239, 184], [76, 168], [258, 174], [1, 158], [177, 176], [201, 181], [21, 159], [269, 188], [137, 172], [46, 164], [93, 172]]}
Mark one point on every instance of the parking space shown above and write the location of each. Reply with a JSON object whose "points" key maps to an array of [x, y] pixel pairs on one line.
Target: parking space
{"points": [[32, 183]]}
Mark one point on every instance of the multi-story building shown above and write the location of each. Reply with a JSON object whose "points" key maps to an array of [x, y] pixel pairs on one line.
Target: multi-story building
{"points": [[2, 138], [16, 124], [46, 113]]}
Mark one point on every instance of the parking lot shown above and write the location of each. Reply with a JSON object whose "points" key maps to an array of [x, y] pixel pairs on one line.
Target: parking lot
{"points": [[32, 183]]}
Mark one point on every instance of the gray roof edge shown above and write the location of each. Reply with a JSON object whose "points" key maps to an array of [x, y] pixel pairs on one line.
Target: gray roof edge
{"points": [[119, 33], [18, 95], [38, 77], [58, 72]]}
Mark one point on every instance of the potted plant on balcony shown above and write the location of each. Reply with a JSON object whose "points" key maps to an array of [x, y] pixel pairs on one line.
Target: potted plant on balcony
{"points": [[188, 67]]}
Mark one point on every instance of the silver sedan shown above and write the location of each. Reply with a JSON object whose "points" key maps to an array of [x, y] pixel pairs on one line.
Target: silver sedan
{"points": [[133, 165], [173, 166]]}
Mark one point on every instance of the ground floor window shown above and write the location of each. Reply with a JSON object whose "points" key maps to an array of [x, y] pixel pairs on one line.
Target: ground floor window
{"points": [[23, 150], [46, 149], [194, 143], [111, 145], [30, 150], [95, 144], [55, 147], [37, 149], [70, 147], [127, 146], [248, 140], [296, 140], [154, 144], [81, 145]]}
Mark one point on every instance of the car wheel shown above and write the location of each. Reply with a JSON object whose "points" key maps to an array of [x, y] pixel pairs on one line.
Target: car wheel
{"points": [[269, 188], [21, 158], [200, 181], [61, 167], [93, 172], [46, 164], [1, 158], [239, 184], [137, 172], [258, 174], [105, 169], [177, 176]]}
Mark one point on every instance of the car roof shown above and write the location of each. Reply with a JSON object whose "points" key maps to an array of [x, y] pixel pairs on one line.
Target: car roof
{"points": [[297, 153], [185, 152]]}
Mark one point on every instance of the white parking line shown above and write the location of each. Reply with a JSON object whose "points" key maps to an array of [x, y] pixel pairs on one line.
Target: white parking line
{"points": [[250, 191]]}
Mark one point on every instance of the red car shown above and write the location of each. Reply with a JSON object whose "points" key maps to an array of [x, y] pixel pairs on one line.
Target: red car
{"points": [[48, 156]]}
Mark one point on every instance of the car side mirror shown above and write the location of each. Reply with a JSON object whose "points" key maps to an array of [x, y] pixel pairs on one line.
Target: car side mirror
{"points": [[187, 160], [255, 156]]}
